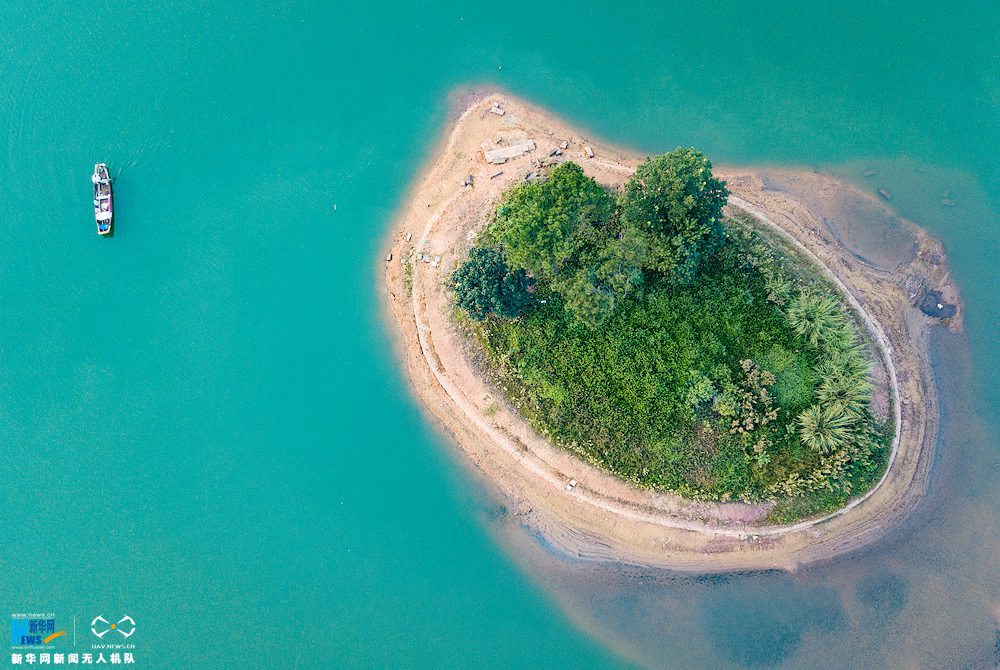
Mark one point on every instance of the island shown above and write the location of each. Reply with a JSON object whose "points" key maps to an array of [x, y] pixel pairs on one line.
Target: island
{"points": [[659, 362]]}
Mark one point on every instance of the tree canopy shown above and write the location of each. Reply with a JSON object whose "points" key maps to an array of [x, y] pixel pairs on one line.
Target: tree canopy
{"points": [[675, 204], [536, 221], [485, 285], [595, 250]]}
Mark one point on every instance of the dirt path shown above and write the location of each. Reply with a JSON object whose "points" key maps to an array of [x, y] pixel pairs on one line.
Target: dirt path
{"points": [[603, 517]]}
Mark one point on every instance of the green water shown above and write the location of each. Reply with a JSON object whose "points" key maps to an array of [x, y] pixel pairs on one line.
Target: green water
{"points": [[202, 424]]}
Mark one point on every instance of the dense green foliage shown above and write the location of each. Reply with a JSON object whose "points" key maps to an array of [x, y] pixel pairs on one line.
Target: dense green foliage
{"points": [[557, 230], [675, 203], [676, 350], [543, 225], [595, 251], [485, 285]]}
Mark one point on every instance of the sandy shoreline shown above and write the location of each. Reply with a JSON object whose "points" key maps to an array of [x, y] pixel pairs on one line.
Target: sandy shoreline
{"points": [[603, 517]]}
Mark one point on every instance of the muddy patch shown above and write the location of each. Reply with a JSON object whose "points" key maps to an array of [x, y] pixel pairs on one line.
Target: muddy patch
{"points": [[863, 225]]}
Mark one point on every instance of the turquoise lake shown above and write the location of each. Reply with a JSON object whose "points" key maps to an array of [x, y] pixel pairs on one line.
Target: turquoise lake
{"points": [[203, 424]]}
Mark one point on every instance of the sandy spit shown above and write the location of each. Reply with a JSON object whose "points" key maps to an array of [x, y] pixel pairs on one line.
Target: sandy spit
{"points": [[602, 517]]}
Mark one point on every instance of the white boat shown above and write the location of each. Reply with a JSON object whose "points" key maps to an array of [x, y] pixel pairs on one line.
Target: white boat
{"points": [[103, 206]]}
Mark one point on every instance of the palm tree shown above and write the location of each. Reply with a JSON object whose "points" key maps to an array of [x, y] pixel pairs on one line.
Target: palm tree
{"points": [[826, 429], [845, 379], [851, 392], [815, 317], [849, 362]]}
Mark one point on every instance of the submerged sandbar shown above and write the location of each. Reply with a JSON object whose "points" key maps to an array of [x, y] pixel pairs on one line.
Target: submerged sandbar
{"points": [[600, 516]]}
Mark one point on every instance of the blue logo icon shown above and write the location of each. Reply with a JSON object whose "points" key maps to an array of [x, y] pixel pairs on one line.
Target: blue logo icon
{"points": [[32, 632]]}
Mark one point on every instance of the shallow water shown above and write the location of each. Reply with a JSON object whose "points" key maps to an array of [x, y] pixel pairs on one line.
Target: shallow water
{"points": [[201, 421], [864, 227]]}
